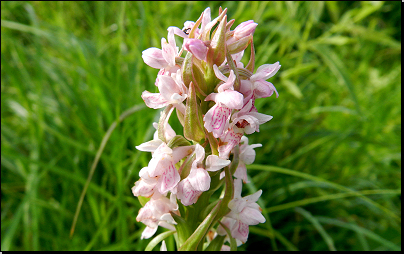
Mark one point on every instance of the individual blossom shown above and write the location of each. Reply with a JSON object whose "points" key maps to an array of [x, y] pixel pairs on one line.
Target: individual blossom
{"points": [[198, 180], [163, 58], [229, 140], [246, 157], [197, 48], [171, 91], [161, 172], [156, 212], [217, 118], [257, 86], [249, 120], [244, 211]]}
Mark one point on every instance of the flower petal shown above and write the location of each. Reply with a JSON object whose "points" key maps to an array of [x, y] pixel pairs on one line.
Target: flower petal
{"points": [[153, 57], [251, 216], [214, 163], [199, 179], [169, 179], [217, 120], [154, 100], [231, 99], [266, 71]]}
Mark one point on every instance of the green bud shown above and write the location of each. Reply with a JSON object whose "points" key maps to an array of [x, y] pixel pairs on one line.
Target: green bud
{"points": [[193, 123], [218, 43]]}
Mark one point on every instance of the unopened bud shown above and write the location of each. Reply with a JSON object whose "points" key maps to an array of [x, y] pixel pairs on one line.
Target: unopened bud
{"points": [[197, 48]]}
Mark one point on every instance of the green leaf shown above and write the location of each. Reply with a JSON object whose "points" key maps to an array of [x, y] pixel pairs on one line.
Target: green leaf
{"points": [[194, 240], [216, 244], [182, 227], [158, 239]]}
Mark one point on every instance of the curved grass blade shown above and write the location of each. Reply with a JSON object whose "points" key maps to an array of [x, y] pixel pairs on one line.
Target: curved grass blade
{"points": [[97, 158]]}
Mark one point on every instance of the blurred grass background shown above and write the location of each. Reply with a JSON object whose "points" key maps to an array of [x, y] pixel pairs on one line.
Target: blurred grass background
{"points": [[330, 165]]}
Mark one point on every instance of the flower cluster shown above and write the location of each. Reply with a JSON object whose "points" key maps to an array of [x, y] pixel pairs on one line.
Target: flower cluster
{"points": [[213, 94]]}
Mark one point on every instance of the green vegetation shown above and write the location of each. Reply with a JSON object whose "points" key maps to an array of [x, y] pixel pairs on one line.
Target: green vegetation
{"points": [[330, 165]]}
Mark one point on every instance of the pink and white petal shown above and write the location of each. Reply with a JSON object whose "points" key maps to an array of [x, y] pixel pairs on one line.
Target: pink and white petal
{"points": [[153, 57], [219, 74], [168, 218], [154, 100], [263, 89], [163, 246], [229, 140], [199, 179], [206, 18], [170, 38], [168, 52], [262, 118], [251, 216], [167, 86], [266, 71], [186, 193], [178, 32], [148, 232], [168, 180], [253, 197], [248, 155], [214, 163], [241, 172], [180, 152], [142, 188], [246, 87], [199, 153], [211, 97], [229, 84], [231, 99], [240, 231], [217, 120], [149, 146]]}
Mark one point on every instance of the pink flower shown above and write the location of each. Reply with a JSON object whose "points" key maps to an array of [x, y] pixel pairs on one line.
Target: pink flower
{"points": [[162, 168], [198, 180], [243, 212], [247, 157], [171, 91], [257, 84], [229, 140], [245, 29], [197, 48], [248, 120], [156, 212], [217, 118], [162, 58]]}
